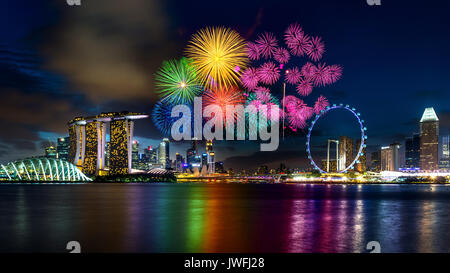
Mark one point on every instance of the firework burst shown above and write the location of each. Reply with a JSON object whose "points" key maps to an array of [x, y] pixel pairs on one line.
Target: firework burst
{"points": [[316, 49], [296, 40], [176, 81], [162, 117], [268, 73], [308, 70], [263, 94], [223, 97], [281, 55], [334, 73], [304, 87], [253, 51], [321, 104], [293, 75], [216, 52], [321, 75], [249, 78], [267, 44]]}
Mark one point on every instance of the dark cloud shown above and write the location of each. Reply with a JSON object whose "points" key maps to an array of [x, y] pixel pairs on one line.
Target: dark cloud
{"points": [[109, 49]]}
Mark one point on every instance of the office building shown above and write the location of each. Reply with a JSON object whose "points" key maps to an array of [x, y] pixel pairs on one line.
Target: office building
{"points": [[390, 160], [62, 148], [412, 151], [429, 140]]}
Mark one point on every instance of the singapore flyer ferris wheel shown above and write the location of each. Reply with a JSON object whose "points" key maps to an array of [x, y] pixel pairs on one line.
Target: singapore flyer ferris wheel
{"points": [[360, 149]]}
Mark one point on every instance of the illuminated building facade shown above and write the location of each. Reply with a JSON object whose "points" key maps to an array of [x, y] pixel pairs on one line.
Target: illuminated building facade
{"points": [[375, 161], [62, 148], [88, 142], [179, 161], [332, 165], [50, 152], [346, 156], [135, 155], [412, 151], [164, 154], [444, 162], [429, 140], [362, 165], [210, 157], [192, 156], [390, 157]]}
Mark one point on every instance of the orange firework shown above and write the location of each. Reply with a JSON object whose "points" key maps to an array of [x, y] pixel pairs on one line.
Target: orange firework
{"points": [[223, 97]]}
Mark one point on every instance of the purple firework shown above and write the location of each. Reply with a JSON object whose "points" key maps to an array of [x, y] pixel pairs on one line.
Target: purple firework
{"points": [[281, 55], [296, 120], [249, 78], [267, 44], [304, 87], [253, 51], [308, 70], [293, 75], [268, 73], [321, 104], [316, 49], [296, 40]]}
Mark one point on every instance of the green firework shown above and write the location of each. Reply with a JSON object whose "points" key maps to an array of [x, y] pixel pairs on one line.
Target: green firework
{"points": [[177, 82]]}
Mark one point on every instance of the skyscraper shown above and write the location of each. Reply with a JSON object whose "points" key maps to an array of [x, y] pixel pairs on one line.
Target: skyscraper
{"points": [[444, 161], [361, 166], [192, 157], [63, 147], [210, 157], [135, 155], [164, 153], [346, 156], [412, 151], [179, 161], [429, 140], [50, 152], [375, 161], [390, 160]]}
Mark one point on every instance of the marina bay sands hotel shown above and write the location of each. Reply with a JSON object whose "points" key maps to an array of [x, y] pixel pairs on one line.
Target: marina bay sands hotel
{"points": [[88, 142]]}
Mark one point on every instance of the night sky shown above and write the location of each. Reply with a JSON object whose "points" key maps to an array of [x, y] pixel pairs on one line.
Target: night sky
{"points": [[58, 62]]}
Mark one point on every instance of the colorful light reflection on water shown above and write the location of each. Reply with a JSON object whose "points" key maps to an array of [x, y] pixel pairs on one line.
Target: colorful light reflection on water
{"points": [[224, 218]]}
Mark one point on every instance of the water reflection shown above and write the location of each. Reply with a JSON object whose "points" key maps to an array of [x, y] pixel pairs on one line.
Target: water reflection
{"points": [[224, 218]]}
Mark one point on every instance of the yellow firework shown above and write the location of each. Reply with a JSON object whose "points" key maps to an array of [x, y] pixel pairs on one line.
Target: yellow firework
{"points": [[219, 55]]}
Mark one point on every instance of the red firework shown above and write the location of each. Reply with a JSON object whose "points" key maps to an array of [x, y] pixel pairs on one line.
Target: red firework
{"points": [[304, 87], [223, 97], [253, 51], [316, 49], [296, 40], [293, 75], [249, 78], [268, 73], [320, 104], [281, 55], [267, 44]]}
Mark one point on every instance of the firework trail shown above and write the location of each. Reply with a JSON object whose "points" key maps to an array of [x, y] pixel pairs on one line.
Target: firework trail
{"points": [[320, 104], [223, 97], [216, 52], [281, 55], [296, 40], [267, 44], [293, 75], [176, 81], [304, 87], [249, 78], [268, 73], [316, 49]]}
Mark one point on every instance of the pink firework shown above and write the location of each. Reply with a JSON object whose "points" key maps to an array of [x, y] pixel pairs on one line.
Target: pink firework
{"points": [[267, 44], [293, 75], [334, 73], [296, 40], [268, 73], [281, 55], [296, 120], [253, 51], [316, 50], [292, 104], [304, 87], [263, 94], [321, 76], [249, 78], [308, 70], [320, 104]]}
